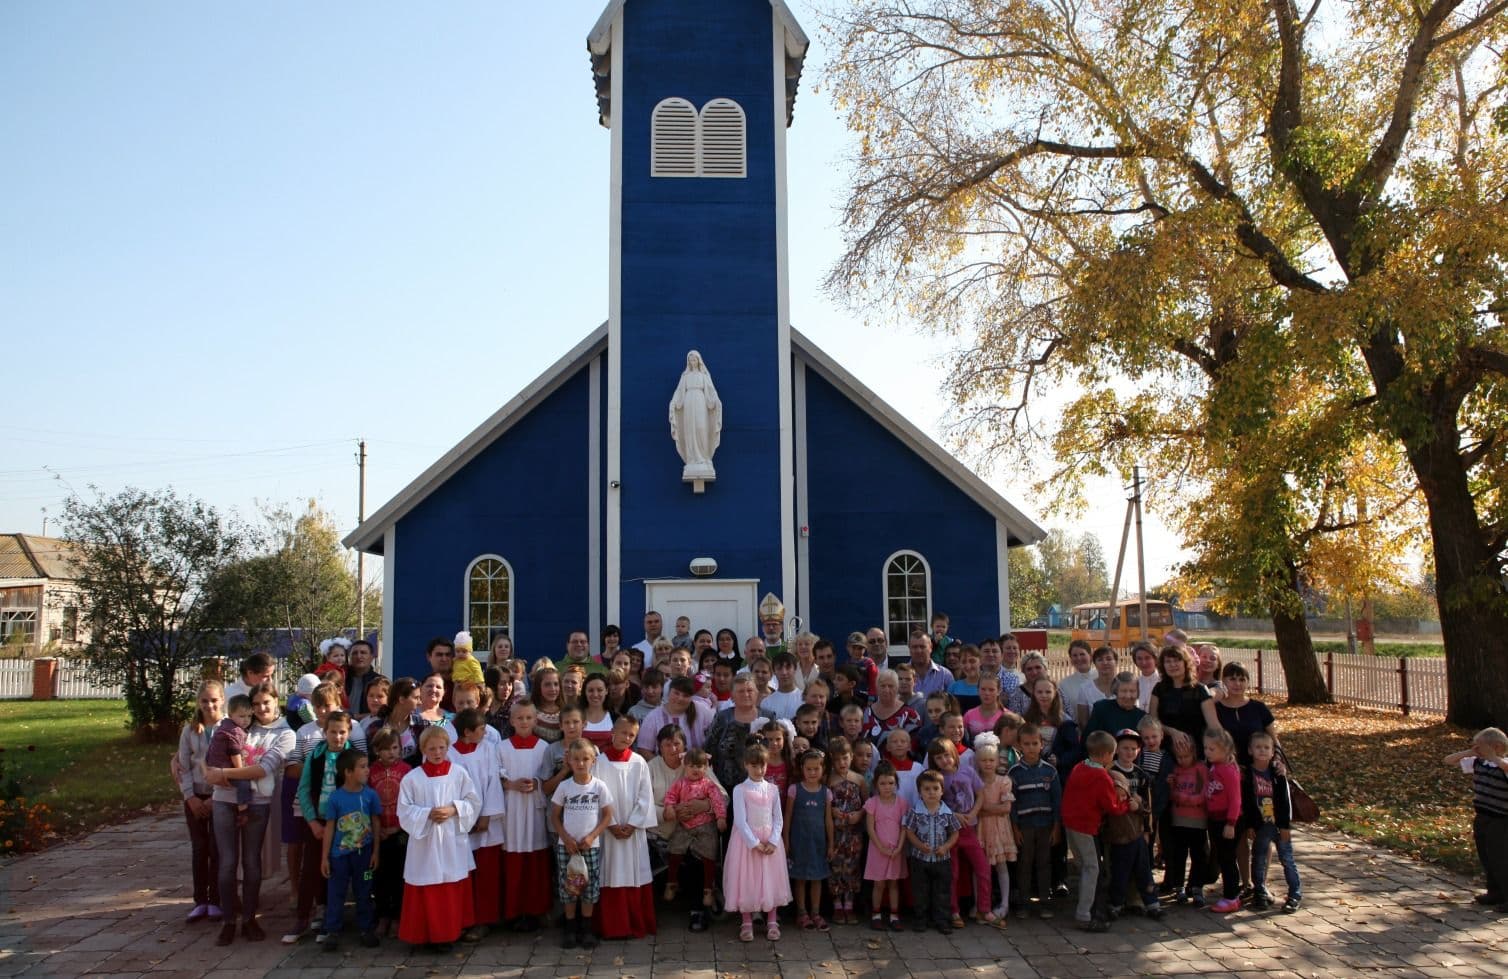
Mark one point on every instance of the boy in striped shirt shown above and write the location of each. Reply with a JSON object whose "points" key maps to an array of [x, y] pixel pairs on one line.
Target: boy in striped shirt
{"points": [[1486, 761]]}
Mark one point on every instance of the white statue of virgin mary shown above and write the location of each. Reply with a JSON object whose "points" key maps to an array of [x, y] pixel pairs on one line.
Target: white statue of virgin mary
{"points": [[696, 420]]}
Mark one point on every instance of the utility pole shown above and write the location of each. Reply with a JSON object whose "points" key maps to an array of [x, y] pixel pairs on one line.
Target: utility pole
{"points": [[1133, 514], [361, 562], [1141, 559]]}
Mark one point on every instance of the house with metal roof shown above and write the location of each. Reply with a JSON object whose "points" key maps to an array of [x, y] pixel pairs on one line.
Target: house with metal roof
{"points": [[39, 598], [694, 452]]}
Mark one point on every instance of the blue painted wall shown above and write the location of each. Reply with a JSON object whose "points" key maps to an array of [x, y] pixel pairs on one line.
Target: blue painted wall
{"points": [[868, 496], [698, 272], [525, 498]]}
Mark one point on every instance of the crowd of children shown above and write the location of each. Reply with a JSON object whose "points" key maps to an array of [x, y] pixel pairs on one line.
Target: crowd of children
{"points": [[452, 805]]}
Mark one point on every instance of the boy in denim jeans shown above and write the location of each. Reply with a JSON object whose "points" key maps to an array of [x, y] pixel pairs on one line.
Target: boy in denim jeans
{"points": [[932, 832], [1269, 810]]}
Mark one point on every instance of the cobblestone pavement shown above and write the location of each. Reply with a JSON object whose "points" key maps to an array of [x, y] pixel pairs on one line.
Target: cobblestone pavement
{"points": [[114, 903]]}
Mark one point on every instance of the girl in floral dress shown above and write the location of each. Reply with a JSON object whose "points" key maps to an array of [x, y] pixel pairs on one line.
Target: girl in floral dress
{"points": [[995, 835], [847, 789]]}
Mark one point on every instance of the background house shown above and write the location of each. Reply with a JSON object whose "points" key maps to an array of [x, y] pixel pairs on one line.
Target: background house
{"points": [[39, 599]]}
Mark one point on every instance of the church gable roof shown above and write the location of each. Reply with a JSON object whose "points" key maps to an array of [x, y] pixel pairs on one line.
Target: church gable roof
{"points": [[599, 44], [1023, 529], [368, 536]]}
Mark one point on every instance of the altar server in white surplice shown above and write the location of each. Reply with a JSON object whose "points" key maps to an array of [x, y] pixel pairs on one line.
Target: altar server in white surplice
{"points": [[626, 908], [528, 876], [437, 806], [482, 757]]}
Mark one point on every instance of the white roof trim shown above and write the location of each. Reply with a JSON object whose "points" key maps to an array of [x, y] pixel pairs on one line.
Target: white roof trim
{"points": [[368, 537], [601, 36], [1021, 526]]}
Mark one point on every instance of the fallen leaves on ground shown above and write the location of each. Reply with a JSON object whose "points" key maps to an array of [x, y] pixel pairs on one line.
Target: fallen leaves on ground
{"points": [[1379, 776]]}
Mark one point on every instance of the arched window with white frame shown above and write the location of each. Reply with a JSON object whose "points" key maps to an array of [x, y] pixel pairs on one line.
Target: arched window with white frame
{"points": [[489, 599], [908, 597]]}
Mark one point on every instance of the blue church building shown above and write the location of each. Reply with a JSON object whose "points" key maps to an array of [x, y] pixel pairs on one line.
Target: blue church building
{"points": [[779, 473]]}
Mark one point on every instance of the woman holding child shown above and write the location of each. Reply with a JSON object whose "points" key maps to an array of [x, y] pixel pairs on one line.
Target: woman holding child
{"points": [[238, 843]]}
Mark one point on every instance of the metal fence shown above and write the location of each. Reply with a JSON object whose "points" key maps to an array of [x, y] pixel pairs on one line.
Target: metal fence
{"points": [[1407, 684]]}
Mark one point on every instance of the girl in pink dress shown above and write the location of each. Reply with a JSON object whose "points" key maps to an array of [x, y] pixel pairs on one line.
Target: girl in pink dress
{"points": [[754, 871], [885, 865], [995, 834]]}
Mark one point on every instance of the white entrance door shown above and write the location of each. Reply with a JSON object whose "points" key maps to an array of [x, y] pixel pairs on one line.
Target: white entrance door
{"points": [[731, 603]]}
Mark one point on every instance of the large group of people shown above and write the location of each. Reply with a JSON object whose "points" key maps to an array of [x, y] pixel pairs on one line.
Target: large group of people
{"points": [[956, 778]]}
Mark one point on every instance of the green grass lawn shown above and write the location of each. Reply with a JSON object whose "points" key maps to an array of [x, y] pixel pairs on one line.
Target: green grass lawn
{"points": [[78, 758]]}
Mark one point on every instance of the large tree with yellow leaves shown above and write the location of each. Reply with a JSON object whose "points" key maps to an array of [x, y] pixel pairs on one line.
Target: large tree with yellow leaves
{"points": [[1277, 226]]}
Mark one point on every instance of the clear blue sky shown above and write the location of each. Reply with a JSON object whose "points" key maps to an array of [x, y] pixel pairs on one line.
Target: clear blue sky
{"points": [[234, 238]]}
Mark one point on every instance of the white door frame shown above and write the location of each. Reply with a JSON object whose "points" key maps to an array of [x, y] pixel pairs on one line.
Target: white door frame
{"points": [[665, 594]]}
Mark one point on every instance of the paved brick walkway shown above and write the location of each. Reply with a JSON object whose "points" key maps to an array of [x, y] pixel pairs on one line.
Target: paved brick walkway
{"points": [[114, 904]]}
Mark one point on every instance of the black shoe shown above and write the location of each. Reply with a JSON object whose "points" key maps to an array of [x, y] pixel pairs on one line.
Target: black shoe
{"points": [[699, 921], [568, 934], [1095, 925], [1061, 890], [588, 937], [1292, 904], [443, 948], [1261, 901], [1113, 913], [369, 939], [1488, 897], [1153, 912], [944, 928], [526, 923], [331, 943], [918, 925], [227, 933]]}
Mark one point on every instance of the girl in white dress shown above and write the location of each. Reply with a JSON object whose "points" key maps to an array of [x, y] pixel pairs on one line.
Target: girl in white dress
{"points": [[754, 871]]}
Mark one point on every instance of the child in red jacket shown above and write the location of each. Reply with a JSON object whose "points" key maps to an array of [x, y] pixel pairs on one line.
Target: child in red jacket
{"points": [[1090, 795]]}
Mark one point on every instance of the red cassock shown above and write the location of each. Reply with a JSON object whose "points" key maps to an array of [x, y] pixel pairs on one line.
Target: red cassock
{"points": [[434, 913], [626, 912], [528, 883]]}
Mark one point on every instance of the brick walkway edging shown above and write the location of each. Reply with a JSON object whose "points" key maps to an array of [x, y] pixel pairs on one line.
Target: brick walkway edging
{"points": [[113, 904]]}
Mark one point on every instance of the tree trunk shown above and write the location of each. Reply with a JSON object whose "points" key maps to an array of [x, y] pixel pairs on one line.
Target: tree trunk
{"points": [[1473, 608], [1468, 572], [1306, 684]]}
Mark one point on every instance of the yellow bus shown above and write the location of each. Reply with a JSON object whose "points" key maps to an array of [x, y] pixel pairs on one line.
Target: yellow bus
{"points": [[1088, 622]]}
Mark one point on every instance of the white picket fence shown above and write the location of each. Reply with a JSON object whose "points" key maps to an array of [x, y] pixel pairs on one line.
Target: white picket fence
{"points": [[72, 682]]}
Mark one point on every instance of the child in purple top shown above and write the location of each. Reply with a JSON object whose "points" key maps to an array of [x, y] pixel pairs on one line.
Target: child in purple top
{"points": [[962, 793], [227, 748]]}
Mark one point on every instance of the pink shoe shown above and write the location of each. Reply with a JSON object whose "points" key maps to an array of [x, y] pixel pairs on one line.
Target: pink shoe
{"points": [[1226, 905], [772, 932]]}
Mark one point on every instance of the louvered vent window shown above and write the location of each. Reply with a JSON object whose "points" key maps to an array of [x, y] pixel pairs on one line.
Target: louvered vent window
{"points": [[685, 144], [673, 140], [722, 130]]}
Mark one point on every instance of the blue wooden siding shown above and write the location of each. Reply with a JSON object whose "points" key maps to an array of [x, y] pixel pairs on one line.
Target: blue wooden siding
{"points": [[524, 498], [698, 272], [869, 496]]}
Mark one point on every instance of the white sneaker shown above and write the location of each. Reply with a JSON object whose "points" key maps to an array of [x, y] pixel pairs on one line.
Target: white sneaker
{"points": [[293, 936]]}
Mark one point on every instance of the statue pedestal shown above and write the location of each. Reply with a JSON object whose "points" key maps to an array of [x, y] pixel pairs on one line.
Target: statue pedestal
{"points": [[699, 476]]}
